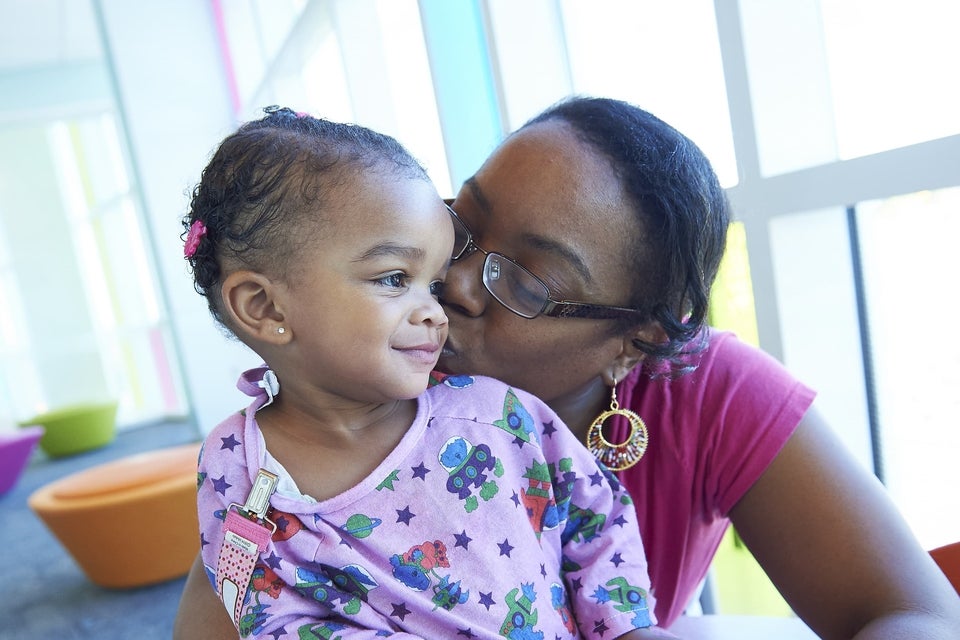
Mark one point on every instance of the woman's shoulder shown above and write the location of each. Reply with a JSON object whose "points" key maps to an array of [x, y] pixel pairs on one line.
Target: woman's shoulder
{"points": [[733, 380], [726, 359], [732, 361], [727, 349]]}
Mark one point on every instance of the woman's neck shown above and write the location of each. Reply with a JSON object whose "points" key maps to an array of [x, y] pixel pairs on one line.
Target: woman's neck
{"points": [[580, 408]]}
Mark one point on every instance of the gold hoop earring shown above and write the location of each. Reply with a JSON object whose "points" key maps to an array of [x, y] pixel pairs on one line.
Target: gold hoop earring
{"points": [[624, 455]]}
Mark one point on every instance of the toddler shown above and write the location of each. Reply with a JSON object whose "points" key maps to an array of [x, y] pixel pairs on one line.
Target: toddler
{"points": [[357, 502]]}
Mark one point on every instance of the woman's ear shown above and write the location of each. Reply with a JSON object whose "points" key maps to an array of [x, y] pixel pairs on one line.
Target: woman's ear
{"points": [[251, 304], [630, 355]]}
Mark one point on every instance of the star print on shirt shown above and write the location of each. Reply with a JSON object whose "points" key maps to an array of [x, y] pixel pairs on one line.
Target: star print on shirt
{"points": [[282, 523], [405, 515], [577, 584], [278, 633], [596, 479], [505, 547], [399, 611], [221, 485], [466, 633], [620, 520], [486, 599], [617, 559], [600, 626], [420, 471], [273, 561], [229, 442], [549, 429], [463, 540], [203, 540]]}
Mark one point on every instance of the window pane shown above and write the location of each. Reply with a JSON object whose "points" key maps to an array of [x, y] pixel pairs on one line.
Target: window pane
{"points": [[662, 56], [817, 302], [357, 62], [838, 79], [893, 72], [908, 248], [97, 330]]}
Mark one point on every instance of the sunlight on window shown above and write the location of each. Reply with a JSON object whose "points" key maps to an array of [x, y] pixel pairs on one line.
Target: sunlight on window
{"points": [[111, 253], [76, 197], [324, 82], [12, 335], [907, 248], [414, 102], [893, 70], [20, 388], [662, 56]]}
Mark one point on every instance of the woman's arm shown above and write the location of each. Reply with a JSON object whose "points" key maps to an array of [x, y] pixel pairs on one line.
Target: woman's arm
{"points": [[831, 540], [201, 616]]}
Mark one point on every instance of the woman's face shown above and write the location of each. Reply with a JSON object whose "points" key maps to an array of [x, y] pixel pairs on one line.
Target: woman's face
{"points": [[550, 203]]}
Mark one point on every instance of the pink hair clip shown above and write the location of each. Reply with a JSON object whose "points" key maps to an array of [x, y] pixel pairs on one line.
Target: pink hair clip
{"points": [[196, 233]]}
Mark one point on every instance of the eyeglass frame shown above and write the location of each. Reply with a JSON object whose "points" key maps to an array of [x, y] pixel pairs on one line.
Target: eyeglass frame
{"points": [[552, 308]]}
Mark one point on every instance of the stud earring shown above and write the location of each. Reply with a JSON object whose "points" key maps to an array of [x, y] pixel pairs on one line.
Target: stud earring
{"points": [[281, 330], [624, 455]]}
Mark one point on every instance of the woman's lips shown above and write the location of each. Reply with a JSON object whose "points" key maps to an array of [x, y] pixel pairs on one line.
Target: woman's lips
{"points": [[447, 350]]}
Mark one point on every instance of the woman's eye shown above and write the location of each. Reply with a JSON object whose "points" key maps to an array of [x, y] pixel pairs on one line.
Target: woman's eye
{"points": [[393, 280], [436, 288]]}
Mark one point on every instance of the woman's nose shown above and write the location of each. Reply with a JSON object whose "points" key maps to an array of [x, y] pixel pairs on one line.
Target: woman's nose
{"points": [[463, 290]]}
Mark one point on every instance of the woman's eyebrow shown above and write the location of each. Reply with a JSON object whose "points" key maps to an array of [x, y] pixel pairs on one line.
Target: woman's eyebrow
{"points": [[477, 193], [538, 242], [566, 253]]}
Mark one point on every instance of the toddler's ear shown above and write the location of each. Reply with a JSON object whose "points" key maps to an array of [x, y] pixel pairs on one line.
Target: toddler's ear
{"points": [[251, 307]]}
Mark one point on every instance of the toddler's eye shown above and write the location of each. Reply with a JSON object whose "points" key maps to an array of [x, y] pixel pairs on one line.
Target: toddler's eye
{"points": [[393, 280], [436, 288]]}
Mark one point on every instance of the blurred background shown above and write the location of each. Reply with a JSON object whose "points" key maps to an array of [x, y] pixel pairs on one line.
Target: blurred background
{"points": [[834, 125]]}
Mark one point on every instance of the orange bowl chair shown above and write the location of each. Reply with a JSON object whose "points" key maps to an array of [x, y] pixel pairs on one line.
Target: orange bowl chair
{"points": [[947, 558], [129, 522]]}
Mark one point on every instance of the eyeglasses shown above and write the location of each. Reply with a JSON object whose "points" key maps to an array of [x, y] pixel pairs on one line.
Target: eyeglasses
{"points": [[522, 292]]}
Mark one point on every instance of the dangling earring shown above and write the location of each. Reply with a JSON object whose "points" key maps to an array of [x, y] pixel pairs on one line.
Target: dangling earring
{"points": [[618, 457]]}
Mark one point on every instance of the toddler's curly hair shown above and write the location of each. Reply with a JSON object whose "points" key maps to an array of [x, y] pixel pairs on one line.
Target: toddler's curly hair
{"points": [[265, 190]]}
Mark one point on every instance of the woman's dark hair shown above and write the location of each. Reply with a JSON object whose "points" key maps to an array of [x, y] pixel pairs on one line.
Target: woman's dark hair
{"points": [[265, 189], [681, 210]]}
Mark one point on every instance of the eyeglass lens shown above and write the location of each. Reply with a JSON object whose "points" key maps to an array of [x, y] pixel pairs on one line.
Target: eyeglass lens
{"points": [[461, 236], [513, 286]]}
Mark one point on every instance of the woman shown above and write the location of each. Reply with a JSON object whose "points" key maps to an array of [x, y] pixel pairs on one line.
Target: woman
{"points": [[610, 206]]}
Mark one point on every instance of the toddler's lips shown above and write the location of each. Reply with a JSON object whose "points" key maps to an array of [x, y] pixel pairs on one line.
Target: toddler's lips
{"points": [[425, 353]]}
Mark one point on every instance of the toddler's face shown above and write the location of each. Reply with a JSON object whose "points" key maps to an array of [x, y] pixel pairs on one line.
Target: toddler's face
{"points": [[362, 304]]}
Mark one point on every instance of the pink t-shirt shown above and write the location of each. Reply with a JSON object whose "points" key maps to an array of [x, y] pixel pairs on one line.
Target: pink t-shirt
{"points": [[713, 432]]}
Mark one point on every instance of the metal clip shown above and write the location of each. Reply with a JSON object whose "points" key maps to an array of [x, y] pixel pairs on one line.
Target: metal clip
{"points": [[259, 499]]}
